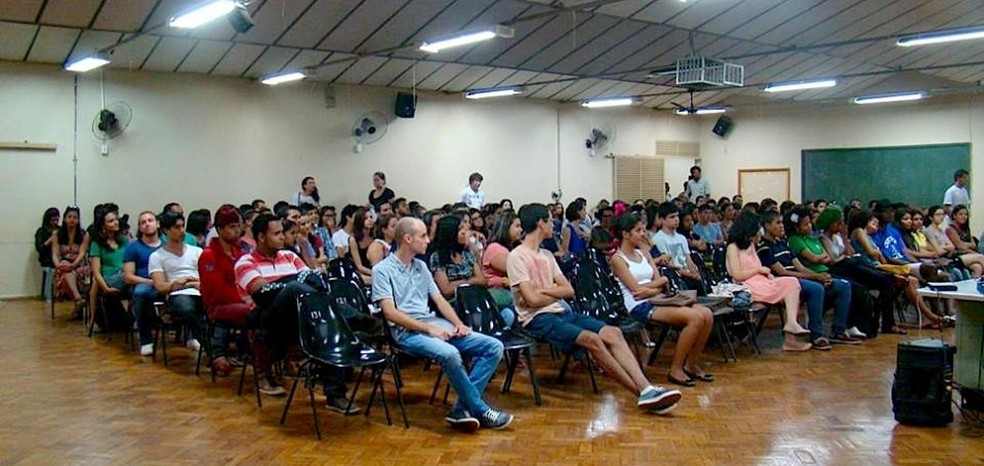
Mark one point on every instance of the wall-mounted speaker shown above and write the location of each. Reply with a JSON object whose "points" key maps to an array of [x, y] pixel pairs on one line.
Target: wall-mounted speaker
{"points": [[239, 19], [406, 105], [722, 126]]}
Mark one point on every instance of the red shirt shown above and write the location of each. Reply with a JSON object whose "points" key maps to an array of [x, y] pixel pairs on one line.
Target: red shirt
{"points": [[254, 265], [217, 272]]}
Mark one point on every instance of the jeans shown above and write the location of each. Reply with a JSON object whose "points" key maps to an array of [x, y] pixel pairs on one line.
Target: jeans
{"points": [[872, 279], [187, 308], [814, 293], [485, 351], [223, 315], [143, 311]]}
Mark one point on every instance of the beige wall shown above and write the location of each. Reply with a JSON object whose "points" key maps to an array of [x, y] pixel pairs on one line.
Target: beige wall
{"points": [[203, 141]]}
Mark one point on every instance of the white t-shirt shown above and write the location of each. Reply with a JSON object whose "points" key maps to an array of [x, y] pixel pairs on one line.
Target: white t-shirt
{"points": [[697, 188], [300, 198], [340, 238], [956, 195], [471, 198], [176, 267], [675, 245]]}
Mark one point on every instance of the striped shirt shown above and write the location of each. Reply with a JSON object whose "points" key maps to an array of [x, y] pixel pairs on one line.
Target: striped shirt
{"points": [[254, 265]]}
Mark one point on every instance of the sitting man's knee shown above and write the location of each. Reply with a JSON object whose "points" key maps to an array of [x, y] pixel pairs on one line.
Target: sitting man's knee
{"points": [[448, 357]]}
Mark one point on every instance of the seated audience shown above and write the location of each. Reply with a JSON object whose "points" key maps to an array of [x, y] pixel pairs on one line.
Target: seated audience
{"points": [[539, 290], [640, 280], [173, 269], [959, 230], [44, 238], [937, 238], [744, 267], [401, 287], [341, 236], [199, 222], [382, 242], [68, 254], [106, 255], [325, 230], [359, 241], [708, 231], [573, 239], [136, 274], [669, 242]]}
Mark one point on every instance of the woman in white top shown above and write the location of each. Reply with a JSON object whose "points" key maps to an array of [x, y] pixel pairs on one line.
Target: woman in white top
{"points": [[308, 193], [383, 232], [640, 280], [935, 232]]}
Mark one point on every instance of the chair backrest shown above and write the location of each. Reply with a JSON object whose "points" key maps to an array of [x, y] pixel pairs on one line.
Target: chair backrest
{"points": [[676, 282], [477, 309], [323, 332], [344, 268], [608, 282], [590, 297], [707, 280], [348, 293], [718, 262]]}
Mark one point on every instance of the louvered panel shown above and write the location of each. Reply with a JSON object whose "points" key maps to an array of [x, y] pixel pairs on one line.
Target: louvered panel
{"points": [[668, 148], [635, 177]]}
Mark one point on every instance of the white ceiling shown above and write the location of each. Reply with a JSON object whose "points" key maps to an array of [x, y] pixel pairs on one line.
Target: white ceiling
{"points": [[584, 50]]}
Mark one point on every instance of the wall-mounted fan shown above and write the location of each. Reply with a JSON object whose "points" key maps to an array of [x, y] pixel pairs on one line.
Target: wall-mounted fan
{"points": [[368, 129], [601, 137], [110, 122]]}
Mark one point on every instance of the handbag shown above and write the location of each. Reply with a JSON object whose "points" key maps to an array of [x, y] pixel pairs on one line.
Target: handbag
{"points": [[680, 299], [741, 301]]}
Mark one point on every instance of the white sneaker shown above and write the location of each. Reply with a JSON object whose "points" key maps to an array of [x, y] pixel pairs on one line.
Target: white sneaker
{"points": [[854, 332], [193, 345], [147, 350]]}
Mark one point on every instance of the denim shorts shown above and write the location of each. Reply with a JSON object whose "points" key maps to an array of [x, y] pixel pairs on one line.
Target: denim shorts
{"points": [[562, 328], [643, 311]]}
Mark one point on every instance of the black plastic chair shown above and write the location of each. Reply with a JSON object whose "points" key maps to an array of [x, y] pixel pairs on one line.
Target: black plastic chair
{"points": [[328, 341], [477, 309]]}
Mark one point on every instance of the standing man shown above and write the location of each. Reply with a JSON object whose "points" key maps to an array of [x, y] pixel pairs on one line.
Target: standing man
{"points": [[401, 285], [472, 195], [957, 194], [697, 186]]}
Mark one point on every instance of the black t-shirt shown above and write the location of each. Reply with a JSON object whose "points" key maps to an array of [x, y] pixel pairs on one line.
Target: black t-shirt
{"points": [[387, 196]]}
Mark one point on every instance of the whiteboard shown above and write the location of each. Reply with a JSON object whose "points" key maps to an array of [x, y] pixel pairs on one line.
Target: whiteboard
{"points": [[755, 184]]}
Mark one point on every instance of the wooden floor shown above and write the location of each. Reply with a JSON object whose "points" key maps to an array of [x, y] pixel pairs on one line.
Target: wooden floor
{"points": [[68, 399]]}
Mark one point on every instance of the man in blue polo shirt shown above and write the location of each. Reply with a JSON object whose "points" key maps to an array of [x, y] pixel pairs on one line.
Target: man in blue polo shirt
{"points": [[401, 285], [136, 258], [775, 254]]}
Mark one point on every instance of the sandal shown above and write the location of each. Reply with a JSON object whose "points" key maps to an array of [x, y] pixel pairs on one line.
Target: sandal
{"points": [[705, 377], [822, 344], [682, 383], [895, 330]]}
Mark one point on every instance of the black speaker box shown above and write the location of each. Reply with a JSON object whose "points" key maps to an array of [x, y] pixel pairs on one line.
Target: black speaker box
{"points": [[406, 105], [921, 392], [722, 126]]}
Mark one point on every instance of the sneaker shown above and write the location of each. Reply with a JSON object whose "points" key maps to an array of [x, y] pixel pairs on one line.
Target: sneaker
{"points": [[193, 345], [269, 386], [462, 420], [147, 350], [657, 399], [221, 367], [494, 419], [844, 339], [340, 405], [855, 333]]}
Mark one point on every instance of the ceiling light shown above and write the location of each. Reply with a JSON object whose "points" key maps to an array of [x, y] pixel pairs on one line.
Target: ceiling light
{"points": [[893, 97], [88, 63], [499, 92], [434, 47], [702, 110], [287, 77], [202, 14], [937, 37], [800, 85], [612, 102]]}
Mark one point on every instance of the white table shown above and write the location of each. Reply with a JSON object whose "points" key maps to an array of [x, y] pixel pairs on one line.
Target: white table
{"points": [[968, 370]]}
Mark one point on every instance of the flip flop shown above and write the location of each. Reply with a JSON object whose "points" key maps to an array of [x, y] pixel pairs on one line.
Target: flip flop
{"points": [[682, 383], [705, 377], [895, 330]]}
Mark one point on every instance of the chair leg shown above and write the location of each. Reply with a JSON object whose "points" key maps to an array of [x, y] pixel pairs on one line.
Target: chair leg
{"points": [[314, 411], [395, 368], [664, 330], [378, 374], [290, 398], [437, 384], [355, 389], [242, 378], [591, 372], [529, 365], [511, 361], [724, 340]]}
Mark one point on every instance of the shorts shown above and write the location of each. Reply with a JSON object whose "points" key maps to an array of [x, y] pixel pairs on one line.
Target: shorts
{"points": [[643, 311], [562, 328]]}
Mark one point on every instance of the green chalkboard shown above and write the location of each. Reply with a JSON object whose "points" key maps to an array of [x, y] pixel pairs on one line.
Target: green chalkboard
{"points": [[913, 174]]}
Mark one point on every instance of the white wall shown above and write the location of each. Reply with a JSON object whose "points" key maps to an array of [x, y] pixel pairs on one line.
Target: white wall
{"points": [[203, 141]]}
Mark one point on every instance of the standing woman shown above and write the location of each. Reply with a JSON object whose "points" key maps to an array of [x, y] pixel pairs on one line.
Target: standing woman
{"points": [[382, 239], [308, 193], [745, 267], [106, 256], [358, 243], [68, 255], [380, 194], [640, 280], [959, 230]]}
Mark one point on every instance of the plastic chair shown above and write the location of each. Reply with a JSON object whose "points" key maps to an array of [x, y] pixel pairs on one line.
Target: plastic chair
{"points": [[477, 309], [328, 341]]}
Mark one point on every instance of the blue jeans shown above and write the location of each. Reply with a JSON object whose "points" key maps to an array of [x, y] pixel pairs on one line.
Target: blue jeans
{"points": [[814, 293], [485, 351], [143, 311], [187, 308]]}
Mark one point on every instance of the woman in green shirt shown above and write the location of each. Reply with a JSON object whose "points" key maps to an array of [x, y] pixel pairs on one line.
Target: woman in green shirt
{"points": [[106, 256]]}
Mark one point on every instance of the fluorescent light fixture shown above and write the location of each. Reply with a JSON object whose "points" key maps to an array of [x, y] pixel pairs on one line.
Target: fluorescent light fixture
{"points": [[281, 78], [702, 110], [602, 103], [202, 14], [88, 63], [938, 37], [893, 97], [465, 39], [499, 92], [800, 85]]}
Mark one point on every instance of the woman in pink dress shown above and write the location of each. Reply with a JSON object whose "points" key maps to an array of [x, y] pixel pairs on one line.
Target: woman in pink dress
{"points": [[745, 267]]}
